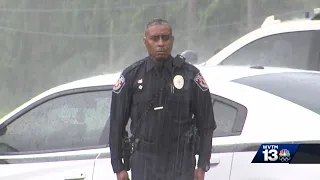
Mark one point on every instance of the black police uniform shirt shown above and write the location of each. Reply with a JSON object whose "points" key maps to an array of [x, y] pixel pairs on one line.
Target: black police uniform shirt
{"points": [[185, 93]]}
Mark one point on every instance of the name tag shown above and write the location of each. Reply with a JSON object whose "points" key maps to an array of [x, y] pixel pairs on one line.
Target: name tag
{"points": [[158, 108]]}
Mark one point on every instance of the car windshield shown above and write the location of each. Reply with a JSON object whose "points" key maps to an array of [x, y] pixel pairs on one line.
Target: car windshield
{"points": [[293, 50], [302, 88]]}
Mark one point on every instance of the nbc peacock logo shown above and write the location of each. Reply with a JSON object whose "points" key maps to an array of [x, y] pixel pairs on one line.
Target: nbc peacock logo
{"points": [[284, 155]]}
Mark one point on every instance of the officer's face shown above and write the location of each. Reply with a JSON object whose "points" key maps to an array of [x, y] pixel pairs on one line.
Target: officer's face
{"points": [[159, 41]]}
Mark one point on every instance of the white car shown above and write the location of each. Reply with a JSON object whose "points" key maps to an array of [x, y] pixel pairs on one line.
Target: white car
{"points": [[291, 44], [59, 134]]}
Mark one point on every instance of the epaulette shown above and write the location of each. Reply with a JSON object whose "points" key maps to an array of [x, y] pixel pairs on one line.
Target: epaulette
{"points": [[133, 66], [191, 67]]}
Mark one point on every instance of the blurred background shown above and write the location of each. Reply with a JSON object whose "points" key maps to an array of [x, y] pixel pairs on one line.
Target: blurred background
{"points": [[45, 43]]}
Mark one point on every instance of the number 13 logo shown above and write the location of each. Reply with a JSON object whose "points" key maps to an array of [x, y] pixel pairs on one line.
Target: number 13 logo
{"points": [[270, 155]]}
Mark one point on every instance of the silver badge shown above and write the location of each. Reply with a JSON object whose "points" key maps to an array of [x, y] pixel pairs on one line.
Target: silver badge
{"points": [[178, 82]]}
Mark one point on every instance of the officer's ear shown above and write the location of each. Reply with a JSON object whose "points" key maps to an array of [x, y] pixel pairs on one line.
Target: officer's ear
{"points": [[145, 40]]}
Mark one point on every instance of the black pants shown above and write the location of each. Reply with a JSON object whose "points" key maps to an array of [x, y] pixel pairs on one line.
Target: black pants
{"points": [[173, 166]]}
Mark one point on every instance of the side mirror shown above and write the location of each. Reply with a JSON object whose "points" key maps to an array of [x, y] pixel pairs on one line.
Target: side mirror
{"points": [[191, 56], [3, 131]]}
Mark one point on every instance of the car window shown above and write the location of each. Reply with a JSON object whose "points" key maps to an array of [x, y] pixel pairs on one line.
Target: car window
{"points": [[67, 122], [301, 88], [229, 116], [293, 50], [225, 117]]}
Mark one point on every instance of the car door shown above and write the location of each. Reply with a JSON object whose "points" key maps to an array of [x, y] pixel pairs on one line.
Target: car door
{"points": [[230, 117], [57, 137], [103, 169]]}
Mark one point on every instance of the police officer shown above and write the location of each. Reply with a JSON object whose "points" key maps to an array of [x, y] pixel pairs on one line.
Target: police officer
{"points": [[161, 94]]}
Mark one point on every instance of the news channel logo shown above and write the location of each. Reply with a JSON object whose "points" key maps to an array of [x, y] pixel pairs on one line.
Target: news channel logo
{"points": [[275, 153]]}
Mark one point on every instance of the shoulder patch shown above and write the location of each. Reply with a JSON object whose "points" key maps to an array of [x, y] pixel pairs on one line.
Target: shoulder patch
{"points": [[133, 66], [119, 84], [199, 80]]}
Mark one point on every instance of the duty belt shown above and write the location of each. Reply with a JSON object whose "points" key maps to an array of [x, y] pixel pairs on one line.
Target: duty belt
{"points": [[148, 147], [143, 146]]}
